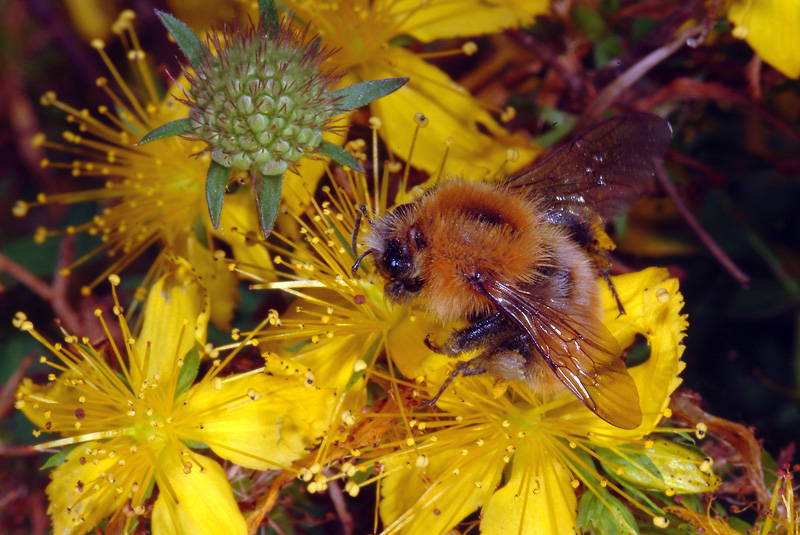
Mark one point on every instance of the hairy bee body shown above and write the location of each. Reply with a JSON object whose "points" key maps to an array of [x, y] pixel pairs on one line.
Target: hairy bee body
{"points": [[511, 258], [461, 230]]}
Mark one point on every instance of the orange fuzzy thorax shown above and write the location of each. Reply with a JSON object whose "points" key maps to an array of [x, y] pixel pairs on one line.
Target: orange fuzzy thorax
{"points": [[482, 228]]}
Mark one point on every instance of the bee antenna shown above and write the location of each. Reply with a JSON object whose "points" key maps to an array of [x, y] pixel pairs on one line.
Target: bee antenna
{"points": [[358, 261]]}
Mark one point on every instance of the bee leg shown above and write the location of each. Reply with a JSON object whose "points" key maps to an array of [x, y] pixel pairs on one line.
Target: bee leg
{"points": [[436, 348], [614, 293], [492, 328], [466, 368]]}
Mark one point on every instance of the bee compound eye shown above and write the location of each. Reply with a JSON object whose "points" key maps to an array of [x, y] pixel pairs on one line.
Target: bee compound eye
{"points": [[396, 260]]}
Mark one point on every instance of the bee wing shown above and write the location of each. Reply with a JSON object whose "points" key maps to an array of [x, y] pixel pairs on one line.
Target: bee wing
{"points": [[578, 348], [603, 170]]}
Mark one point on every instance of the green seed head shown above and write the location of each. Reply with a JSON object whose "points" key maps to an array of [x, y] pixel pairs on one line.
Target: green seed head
{"points": [[260, 100]]}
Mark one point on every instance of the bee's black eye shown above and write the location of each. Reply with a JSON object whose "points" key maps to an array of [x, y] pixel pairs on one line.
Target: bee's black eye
{"points": [[396, 260]]}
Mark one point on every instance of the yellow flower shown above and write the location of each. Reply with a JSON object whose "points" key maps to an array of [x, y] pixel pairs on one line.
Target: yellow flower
{"points": [[338, 324], [364, 32], [520, 457], [438, 466], [138, 422], [772, 28], [153, 194]]}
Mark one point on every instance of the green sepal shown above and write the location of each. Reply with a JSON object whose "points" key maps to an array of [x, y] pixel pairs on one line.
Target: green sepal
{"points": [[358, 95], [269, 14], [188, 41], [216, 180], [188, 371], [267, 190], [57, 459], [178, 127], [339, 155]]}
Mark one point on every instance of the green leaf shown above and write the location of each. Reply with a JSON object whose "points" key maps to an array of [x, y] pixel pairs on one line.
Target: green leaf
{"points": [[363, 93], [188, 41], [638, 466], [339, 155], [199, 230], [178, 127], [188, 371], [57, 459], [294, 349], [589, 21], [267, 190], [362, 475], [599, 512], [561, 124], [216, 180], [269, 14], [195, 444]]}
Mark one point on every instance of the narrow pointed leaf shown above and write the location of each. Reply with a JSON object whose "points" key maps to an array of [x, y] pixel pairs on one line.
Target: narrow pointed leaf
{"points": [[268, 198], [187, 40], [339, 155], [269, 14], [216, 180], [363, 93], [178, 127], [188, 371]]}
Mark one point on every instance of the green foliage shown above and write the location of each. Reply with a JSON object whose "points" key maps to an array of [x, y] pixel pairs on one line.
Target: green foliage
{"points": [[363, 93], [269, 14], [340, 156], [602, 513], [191, 45], [216, 181], [188, 371], [178, 127], [57, 459], [267, 190]]}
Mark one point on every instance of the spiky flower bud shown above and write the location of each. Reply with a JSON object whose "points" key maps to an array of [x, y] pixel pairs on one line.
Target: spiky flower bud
{"points": [[259, 98]]}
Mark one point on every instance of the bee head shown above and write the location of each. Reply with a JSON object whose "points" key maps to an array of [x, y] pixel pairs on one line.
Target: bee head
{"points": [[394, 242]]}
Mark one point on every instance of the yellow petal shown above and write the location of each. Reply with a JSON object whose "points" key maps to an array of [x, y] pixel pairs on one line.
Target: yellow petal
{"points": [[199, 14], [653, 306], [772, 28], [177, 296], [451, 112], [332, 360], [260, 421], [75, 505], [56, 391], [644, 240], [239, 228], [221, 282], [205, 503], [406, 346], [439, 19], [537, 500], [92, 18], [434, 498]]}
